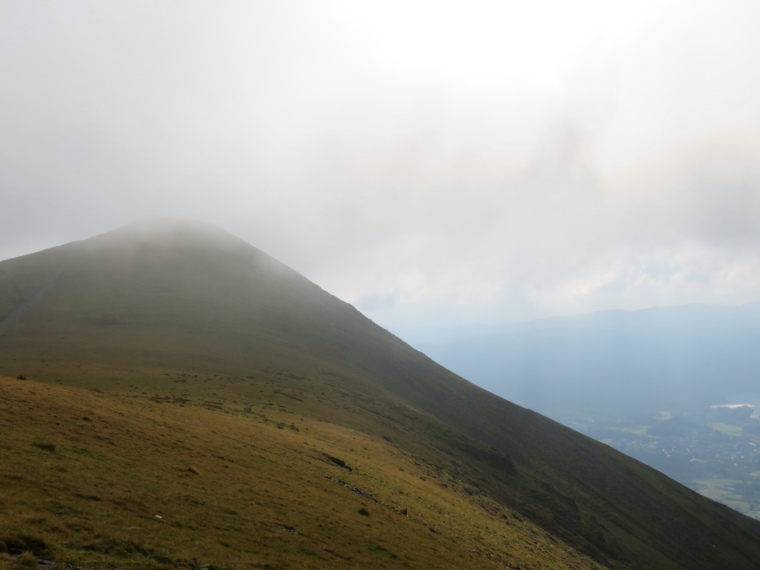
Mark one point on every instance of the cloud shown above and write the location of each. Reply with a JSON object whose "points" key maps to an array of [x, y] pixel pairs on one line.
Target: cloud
{"points": [[444, 161]]}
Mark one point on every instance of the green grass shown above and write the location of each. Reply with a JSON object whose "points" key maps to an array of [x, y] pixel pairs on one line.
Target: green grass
{"points": [[86, 474], [714, 493], [738, 504]]}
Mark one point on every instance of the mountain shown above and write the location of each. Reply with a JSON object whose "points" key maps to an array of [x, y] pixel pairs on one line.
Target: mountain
{"points": [[669, 358], [176, 398]]}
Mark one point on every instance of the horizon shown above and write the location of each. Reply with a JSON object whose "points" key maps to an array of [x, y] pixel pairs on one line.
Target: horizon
{"points": [[435, 165], [417, 334]]}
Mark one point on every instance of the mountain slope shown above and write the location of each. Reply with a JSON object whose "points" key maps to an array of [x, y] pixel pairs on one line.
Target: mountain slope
{"points": [[183, 312], [111, 481]]}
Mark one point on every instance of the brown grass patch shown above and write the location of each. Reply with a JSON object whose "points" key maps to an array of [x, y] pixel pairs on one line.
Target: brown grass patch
{"points": [[146, 485]]}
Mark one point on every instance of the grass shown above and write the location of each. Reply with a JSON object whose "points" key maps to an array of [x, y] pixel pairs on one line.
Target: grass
{"points": [[714, 493], [235, 491]]}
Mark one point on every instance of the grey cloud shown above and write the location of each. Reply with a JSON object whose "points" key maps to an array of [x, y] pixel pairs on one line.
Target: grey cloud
{"points": [[400, 188]]}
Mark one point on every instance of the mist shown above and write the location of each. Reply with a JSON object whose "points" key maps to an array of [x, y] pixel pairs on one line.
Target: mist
{"points": [[428, 162]]}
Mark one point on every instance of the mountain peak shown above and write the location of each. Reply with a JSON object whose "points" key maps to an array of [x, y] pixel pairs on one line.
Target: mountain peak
{"points": [[169, 231], [172, 240]]}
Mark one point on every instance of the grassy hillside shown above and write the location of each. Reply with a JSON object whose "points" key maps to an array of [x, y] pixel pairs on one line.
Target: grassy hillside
{"points": [[84, 477], [230, 372]]}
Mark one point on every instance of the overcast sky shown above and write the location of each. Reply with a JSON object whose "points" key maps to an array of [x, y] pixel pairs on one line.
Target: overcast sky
{"points": [[432, 162]]}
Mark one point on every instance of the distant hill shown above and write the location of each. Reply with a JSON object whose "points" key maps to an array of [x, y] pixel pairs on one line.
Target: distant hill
{"points": [[176, 398], [661, 358]]}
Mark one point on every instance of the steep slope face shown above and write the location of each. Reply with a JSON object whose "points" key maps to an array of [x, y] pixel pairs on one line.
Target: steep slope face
{"points": [[103, 481], [186, 310]]}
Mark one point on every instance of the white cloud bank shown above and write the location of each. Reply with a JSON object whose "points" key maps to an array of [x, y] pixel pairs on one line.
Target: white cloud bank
{"points": [[436, 161]]}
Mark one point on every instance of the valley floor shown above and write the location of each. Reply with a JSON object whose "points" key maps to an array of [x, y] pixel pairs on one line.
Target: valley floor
{"points": [[716, 452]]}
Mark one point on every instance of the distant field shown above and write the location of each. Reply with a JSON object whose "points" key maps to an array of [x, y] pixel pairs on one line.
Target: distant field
{"points": [[717, 459], [734, 431]]}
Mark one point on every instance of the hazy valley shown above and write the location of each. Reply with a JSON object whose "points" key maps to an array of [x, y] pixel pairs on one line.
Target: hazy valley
{"points": [[665, 386]]}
